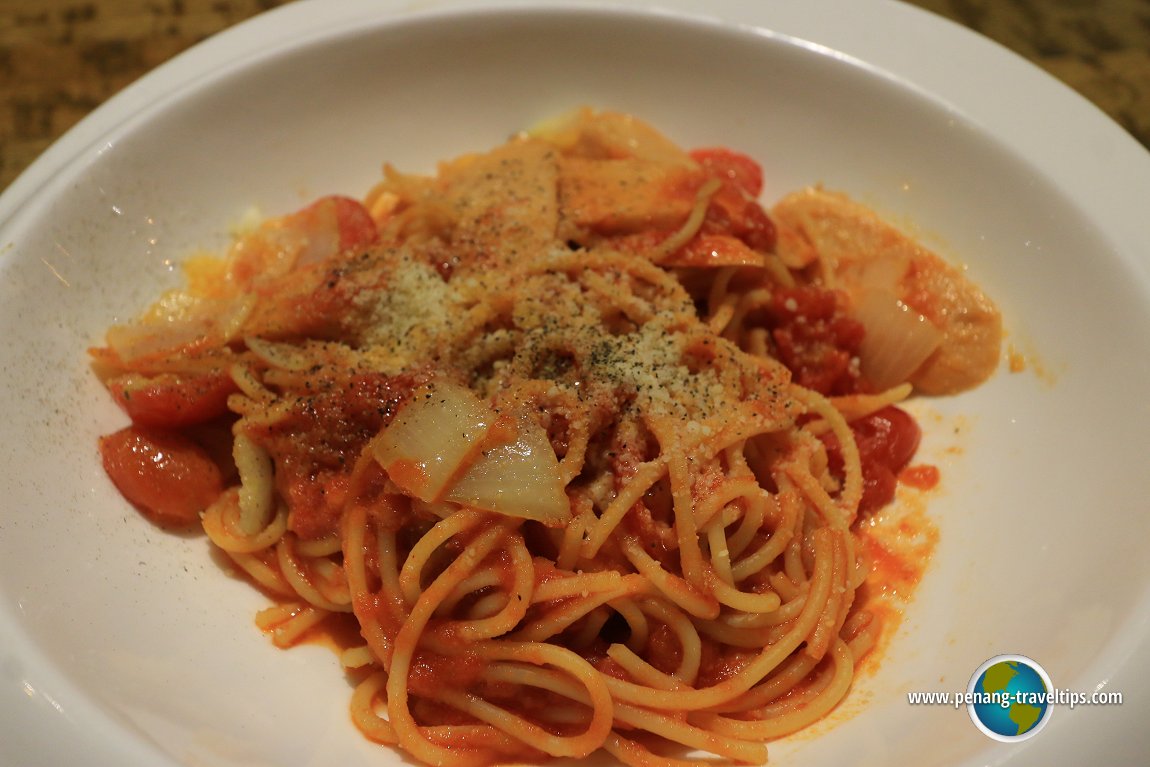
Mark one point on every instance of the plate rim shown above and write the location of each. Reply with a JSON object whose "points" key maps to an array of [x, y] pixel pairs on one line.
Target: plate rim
{"points": [[304, 20]]}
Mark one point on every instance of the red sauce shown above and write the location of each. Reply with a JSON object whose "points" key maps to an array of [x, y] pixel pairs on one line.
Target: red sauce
{"points": [[719, 663], [663, 649], [408, 474], [897, 545], [815, 339], [315, 446], [922, 476], [432, 671], [892, 571]]}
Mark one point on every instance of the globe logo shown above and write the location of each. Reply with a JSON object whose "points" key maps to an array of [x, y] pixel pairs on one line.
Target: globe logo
{"points": [[1010, 698]]}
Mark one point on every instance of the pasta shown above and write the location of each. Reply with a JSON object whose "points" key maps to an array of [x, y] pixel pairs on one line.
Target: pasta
{"points": [[574, 431]]}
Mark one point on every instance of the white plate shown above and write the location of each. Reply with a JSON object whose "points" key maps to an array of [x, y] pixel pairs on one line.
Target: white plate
{"points": [[127, 646]]}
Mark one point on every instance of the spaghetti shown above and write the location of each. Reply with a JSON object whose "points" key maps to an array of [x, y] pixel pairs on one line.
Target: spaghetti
{"points": [[574, 430]]}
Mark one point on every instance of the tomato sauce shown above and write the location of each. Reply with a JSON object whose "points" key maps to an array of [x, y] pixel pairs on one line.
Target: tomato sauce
{"points": [[432, 671], [922, 477], [815, 339], [315, 446], [897, 545]]}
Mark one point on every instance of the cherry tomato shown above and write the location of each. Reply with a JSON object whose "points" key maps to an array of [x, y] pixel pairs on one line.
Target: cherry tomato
{"points": [[733, 167], [889, 437], [166, 475], [734, 208], [356, 226], [172, 400], [887, 440]]}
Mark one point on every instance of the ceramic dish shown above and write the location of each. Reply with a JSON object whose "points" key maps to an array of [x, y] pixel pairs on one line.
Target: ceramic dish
{"points": [[123, 645]]}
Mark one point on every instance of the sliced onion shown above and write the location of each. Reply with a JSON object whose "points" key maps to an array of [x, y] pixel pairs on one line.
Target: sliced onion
{"points": [[519, 478], [178, 320], [442, 446], [897, 341], [433, 438], [131, 342]]}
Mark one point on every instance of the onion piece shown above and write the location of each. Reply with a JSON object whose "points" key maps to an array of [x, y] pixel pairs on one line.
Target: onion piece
{"points": [[519, 478], [897, 338], [433, 438], [179, 320]]}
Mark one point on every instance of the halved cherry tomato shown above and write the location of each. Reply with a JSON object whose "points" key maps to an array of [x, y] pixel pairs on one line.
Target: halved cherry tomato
{"points": [[172, 400], [356, 226], [165, 475], [327, 227], [887, 440], [731, 166], [889, 436], [734, 208]]}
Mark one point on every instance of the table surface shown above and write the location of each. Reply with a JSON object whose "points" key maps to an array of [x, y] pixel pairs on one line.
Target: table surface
{"points": [[60, 59]]}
